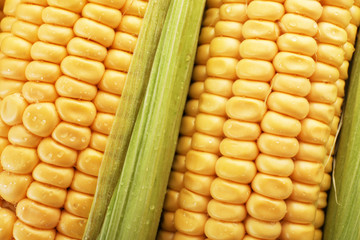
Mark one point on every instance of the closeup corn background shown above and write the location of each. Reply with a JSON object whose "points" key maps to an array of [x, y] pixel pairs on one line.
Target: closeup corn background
{"points": [[178, 119]]}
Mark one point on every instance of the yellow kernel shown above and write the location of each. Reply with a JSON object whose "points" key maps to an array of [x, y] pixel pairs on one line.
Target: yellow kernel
{"points": [[291, 63], [322, 200], [114, 4], [308, 172], [298, 212], [221, 67], [303, 192], [287, 104], [272, 186], [322, 92], [12, 68], [124, 41], [295, 231], [72, 205], [191, 107], [171, 202], [176, 180], [351, 31], [313, 131], [199, 73], [13, 186], [29, 13], [331, 34], [224, 47], [258, 70], [264, 208], [349, 49], [39, 92], [12, 108], [6, 23], [209, 124], [295, 23], [191, 201], [187, 126], [235, 12], [202, 54], [336, 15], [260, 29], [88, 49], [262, 229], [190, 222], [118, 60], [98, 141], [265, 10], [25, 30], [89, 161], [226, 211], [42, 71], [53, 175], [272, 165], [18, 135], [58, 16], [229, 192], [330, 54], [325, 183], [92, 30], [84, 183], [296, 43], [73, 136], [206, 35], [319, 219], [291, 84], [55, 34], [48, 52], [235, 170], [106, 15], [24, 231], [183, 145], [179, 163], [338, 105], [40, 118], [278, 124], [7, 221], [308, 8], [201, 162], [355, 15], [167, 226], [245, 109], [215, 229], [258, 49], [130, 24], [212, 104], [46, 194], [197, 88], [241, 130], [16, 47], [68, 5], [205, 143], [136, 8], [4, 130], [340, 3], [334, 125], [228, 29], [8, 87], [10, 7], [311, 152], [211, 17], [103, 123], [71, 88], [322, 112], [112, 81], [325, 73], [328, 164], [19, 159], [245, 150], [106, 102], [71, 225], [318, 234], [37, 215]]}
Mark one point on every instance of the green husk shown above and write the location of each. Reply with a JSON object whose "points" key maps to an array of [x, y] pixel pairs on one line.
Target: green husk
{"points": [[132, 96], [343, 211], [135, 208]]}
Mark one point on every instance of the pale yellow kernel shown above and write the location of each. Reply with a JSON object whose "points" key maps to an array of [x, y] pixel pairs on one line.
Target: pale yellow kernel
{"points": [[212, 104], [187, 126], [291, 63], [303, 192], [125, 42], [325, 73], [8, 87], [206, 35], [13, 186], [338, 106], [313, 131], [29, 13], [167, 226], [258, 49], [130, 24], [260, 29], [25, 30], [226, 211], [325, 183], [53, 175], [258, 70], [355, 14], [287, 104], [71, 225], [58, 16], [98, 141], [72, 205], [229, 192], [92, 30], [219, 230], [351, 31], [322, 92], [42, 71], [328, 164], [298, 212], [7, 221], [318, 234], [88, 49], [262, 229], [179, 163], [86, 70], [40, 118], [235, 12], [46, 194], [349, 49], [48, 52], [6, 23], [241, 130], [12, 68], [248, 237], [295, 231], [209, 124], [224, 47], [202, 54], [183, 145], [276, 166], [136, 8], [112, 82], [176, 180], [334, 124], [106, 102], [89, 161], [308, 172], [25, 231], [295, 23], [190, 222], [196, 89], [55, 34], [245, 150], [322, 112], [191, 201], [201, 162], [330, 54], [222, 67], [103, 123], [340, 3], [322, 200], [308, 8], [245, 109], [4, 130], [68, 4], [199, 73], [71, 88], [12, 108], [228, 29], [118, 60], [279, 124], [330, 33], [37, 215], [311, 152], [105, 15], [265, 10], [272, 186], [39, 92], [73, 136], [84, 183], [171, 202], [191, 107], [16, 47], [319, 218], [10, 7], [205, 143], [296, 43], [19, 160], [264, 208], [235, 170], [336, 15]]}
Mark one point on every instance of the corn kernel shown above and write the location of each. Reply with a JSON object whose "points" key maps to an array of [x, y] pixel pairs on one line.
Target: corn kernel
{"points": [[206, 35], [46, 194], [102, 14], [311, 152], [209, 124], [72, 203], [118, 60], [298, 212], [330, 54], [322, 200], [16, 47], [339, 3], [338, 106], [24, 231], [53, 175], [191, 107], [7, 221], [332, 34], [229, 192], [325, 183], [291, 63], [211, 104], [103, 123], [322, 112], [277, 145], [10, 7], [303, 192], [308, 172], [349, 49], [264, 208], [272, 186], [197, 88], [124, 41], [295, 231], [235, 12], [55, 34], [241, 130], [42, 71], [297, 43], [252, 89], [13, 186], [351, 31], [215, 229], [55, 15], [221, 67], [197, 183], [114, 4], [12, 68], [51, 152], [39, 92], [201, 162], [176, 180], [257, 70], [167, 225], [276, 166], [211, 17], [245, 109], [199, 73], [84, 48], [130, 24], [29, 13], [287, 104], [98, 141], [92, 30], [112, 82], [313, 131], [308, 8], [76, 137], [262, 229], [106, 102], [260, 29], [179, 163], [223, 47], [226, 211], [278, 124], [295, 23], [6, 23], [89, 161], [319, 218], [137, 8], [325, 73], [19, 159], [355, 15], [336, 15], [258, 49], [235, 170], [25, 30], [8, 86], [68, 5], [190, 222], [71, 88], [71, 225], [192, 202], [84, 183], [187, 126], [171, 202], [228, 29], [12, 108]]}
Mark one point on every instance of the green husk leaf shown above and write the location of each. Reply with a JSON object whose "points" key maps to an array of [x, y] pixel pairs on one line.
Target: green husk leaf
{"points": [[135, 208], [127, 111], [343, 211]]}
